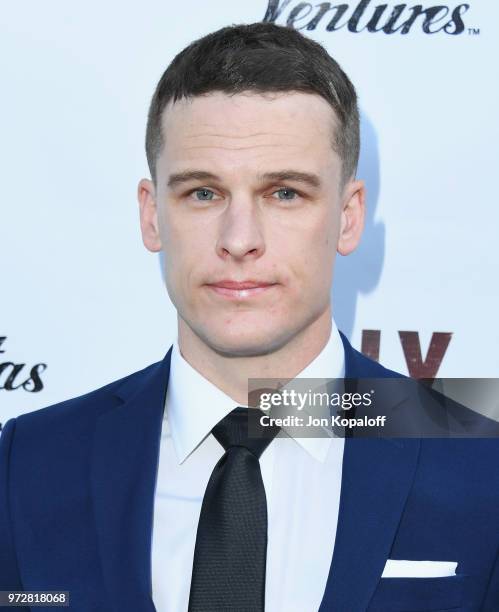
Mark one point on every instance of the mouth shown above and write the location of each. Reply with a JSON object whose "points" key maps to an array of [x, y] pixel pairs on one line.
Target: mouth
{"points": [[240, 290]]}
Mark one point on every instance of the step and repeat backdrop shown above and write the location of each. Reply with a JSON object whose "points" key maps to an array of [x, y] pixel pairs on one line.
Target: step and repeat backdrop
{"points": [[83, 303]]}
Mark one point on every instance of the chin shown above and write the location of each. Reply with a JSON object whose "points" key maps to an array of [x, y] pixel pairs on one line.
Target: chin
{"points": [[245, 340]]}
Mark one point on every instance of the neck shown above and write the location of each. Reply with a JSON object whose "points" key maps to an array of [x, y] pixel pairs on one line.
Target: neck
{"points": [[231, 374]]}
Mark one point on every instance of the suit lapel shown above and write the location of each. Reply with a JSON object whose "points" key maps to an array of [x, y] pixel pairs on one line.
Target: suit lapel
{"points": [[123, 477], [376, 479]]}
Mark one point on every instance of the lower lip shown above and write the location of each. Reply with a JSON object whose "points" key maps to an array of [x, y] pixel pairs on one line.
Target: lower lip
{"points": [[240, 294]]}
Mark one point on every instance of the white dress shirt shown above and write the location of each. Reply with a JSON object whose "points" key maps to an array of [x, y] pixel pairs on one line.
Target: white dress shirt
{"points": [[301, 476]]}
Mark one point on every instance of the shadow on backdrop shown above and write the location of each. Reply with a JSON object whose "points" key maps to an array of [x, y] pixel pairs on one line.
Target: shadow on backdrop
{"points": [[360, 271]]}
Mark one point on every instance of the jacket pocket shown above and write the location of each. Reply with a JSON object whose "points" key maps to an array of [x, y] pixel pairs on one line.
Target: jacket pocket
{"points": [[419, 594]]}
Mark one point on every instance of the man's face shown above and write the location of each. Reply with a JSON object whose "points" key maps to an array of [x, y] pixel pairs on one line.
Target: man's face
{"points": [[248, 191]]}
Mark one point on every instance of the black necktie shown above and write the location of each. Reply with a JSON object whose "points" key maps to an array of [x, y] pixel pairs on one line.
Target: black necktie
{"points": [[228, 573]]}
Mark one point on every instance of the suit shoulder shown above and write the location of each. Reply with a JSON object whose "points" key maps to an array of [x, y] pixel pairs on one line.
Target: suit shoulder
{"points": [[372, 368], [358, 365], [82, 408]]}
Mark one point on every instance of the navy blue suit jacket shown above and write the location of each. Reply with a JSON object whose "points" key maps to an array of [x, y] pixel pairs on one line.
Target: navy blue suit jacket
{"points": [[77, 484]]}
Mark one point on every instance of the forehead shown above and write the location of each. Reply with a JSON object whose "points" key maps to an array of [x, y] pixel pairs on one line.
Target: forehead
{"points": [[248, 127]]}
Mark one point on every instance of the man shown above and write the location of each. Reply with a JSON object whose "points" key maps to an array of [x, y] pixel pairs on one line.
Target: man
{"points": [[135, 496]]}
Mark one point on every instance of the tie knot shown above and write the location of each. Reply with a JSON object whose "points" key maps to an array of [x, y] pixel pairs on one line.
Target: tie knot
{"points": [[232, 430]]}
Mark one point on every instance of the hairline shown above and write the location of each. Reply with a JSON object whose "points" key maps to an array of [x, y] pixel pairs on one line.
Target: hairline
{"points": [[334, 123]]}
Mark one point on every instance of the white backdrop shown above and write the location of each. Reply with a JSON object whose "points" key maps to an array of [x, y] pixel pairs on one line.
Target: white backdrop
{"points": [[81, 294]]}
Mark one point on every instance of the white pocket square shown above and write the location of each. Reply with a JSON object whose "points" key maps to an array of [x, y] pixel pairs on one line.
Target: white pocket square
{"points": [[397, 568]]}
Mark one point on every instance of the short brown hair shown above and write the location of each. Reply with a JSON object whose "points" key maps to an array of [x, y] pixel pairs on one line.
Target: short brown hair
{"points": [[260, 57]]}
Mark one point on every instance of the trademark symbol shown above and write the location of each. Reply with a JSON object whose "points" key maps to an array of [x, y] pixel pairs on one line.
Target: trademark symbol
{"points": [[473, 31]]}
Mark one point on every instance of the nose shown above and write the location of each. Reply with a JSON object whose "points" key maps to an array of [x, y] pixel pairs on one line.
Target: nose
{"points": [[240, 235]]}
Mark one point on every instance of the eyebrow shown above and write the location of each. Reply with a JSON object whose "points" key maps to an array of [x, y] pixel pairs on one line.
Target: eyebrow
{"points": [[313, 180], [190, 175]]}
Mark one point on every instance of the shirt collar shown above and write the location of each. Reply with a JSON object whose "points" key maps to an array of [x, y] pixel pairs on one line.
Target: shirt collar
{"points": [[194, 405]]}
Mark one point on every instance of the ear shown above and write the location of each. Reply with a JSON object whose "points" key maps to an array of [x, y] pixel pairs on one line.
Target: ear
{"points": [[149, 227], [352, 216]]}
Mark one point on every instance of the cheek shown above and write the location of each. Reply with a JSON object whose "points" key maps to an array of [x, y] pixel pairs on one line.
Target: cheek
{"points": [[188, 247], [177, 247], [314, 252], [327, 239]]}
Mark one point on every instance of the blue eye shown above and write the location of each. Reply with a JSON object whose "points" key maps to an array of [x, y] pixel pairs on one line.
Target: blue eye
{"points": [[205, 194], [288, 194]]}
